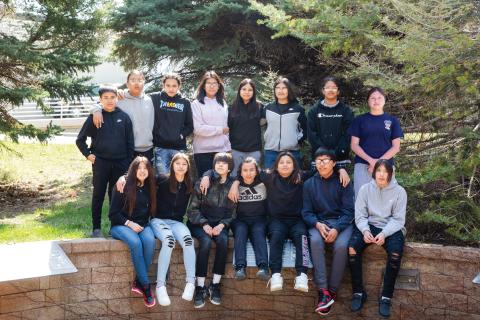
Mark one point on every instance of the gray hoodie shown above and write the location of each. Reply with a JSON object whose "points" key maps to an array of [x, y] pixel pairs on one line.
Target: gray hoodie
{"points": [[140, 111], [384, 208]]}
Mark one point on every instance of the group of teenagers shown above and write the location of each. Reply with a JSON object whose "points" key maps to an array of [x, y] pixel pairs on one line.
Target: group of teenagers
{"points": [[151, 196]]}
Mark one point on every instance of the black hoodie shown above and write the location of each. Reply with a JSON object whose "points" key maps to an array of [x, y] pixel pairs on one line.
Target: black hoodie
{"points": [[173, 121], [112, 141], [327, 127], [171, 205]]}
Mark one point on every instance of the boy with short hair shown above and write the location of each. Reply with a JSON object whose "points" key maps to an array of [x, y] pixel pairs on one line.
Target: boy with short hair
{"points": [[328, 212], [110, 151]]}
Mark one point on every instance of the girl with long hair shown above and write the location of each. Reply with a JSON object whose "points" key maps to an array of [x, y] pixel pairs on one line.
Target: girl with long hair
{"points": [[210, 128], [173, 196], [286, 123], [129, 214], [244, 124]]}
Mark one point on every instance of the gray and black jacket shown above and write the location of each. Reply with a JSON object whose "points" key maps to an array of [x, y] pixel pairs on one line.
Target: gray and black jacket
{"points": [[286, 126]]}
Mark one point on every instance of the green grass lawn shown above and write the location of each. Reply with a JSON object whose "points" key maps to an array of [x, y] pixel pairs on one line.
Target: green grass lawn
{"points": [[61, 178]]}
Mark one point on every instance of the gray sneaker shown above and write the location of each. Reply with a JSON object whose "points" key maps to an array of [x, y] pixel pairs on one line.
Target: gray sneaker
{"points": [[97, 233], [263, 273]]}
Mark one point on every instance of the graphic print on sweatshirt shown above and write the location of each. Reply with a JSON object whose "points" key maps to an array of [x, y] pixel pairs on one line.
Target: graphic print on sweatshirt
{"points": [[323, 115], [172, 106], [252, 193]]}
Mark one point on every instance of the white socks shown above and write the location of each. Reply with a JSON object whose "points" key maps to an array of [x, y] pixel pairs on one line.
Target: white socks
{"points": [[201, 281], [216, 278]]}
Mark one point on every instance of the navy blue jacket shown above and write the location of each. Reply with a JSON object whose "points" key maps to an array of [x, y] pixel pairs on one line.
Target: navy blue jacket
{"points": [[325, 199]]}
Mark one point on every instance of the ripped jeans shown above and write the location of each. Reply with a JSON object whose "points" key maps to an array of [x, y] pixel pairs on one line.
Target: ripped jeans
{"points": [[394, 247], [168, 232]]}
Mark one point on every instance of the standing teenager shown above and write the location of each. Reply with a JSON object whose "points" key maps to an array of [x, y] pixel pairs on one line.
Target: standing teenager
{"points": [[244, 124], [110, 151], [375, 135], [139, 108], [380, 210], [210, 116], [130, 214], [173, 122], [328, 123], [286, 123]]}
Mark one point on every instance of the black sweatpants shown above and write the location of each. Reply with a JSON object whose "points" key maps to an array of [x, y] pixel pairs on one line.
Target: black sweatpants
{"points": [[105, 173]]}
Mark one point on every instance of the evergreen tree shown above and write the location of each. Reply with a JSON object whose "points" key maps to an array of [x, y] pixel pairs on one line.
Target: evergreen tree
{"points": [[195, 36], [427, 55], [43, 46]]}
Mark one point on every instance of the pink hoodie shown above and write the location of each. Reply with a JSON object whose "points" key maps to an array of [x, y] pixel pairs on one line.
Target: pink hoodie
{"points": [[209, 119]]}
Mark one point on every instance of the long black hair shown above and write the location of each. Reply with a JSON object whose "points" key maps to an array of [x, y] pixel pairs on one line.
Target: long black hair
{"points": [[201, 93], [253, 107], [131, 186], [292, 94]]}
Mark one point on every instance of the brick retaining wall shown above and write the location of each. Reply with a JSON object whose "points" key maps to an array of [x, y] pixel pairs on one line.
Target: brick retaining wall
{"points": [[101, 289]]}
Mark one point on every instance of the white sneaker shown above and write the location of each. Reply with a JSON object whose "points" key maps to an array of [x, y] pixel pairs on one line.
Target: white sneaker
{"points": [[301, 282], [162, 296], [188, 292], [276, 282]]}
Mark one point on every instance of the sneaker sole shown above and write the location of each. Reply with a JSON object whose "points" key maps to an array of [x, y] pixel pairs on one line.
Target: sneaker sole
{"points": [[200, 306], [240, 278], [323, 313], [149, 305], [301, 289], [187, 298], [164, 304], [318, 310], [263, 277], [276, 288], [137, 291], [215, 303]]}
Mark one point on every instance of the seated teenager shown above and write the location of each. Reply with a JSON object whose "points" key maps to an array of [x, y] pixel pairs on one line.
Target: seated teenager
{"points": [[380, 210], [209, 219], [328, 212], [130, 214]]}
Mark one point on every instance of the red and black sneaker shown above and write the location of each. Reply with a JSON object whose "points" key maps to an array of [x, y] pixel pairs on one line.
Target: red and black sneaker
{"points": [[325, 302], [148, 297], [137, 287]]}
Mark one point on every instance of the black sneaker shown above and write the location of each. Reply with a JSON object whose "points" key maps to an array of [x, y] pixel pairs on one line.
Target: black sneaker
{"points": [[384, 305], [358, 299], [240, 273], [200, 295], [214, 291], [96, 233], [263, 273]]}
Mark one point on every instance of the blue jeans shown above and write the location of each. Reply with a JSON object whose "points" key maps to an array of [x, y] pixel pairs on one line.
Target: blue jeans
{"points": [[270, 156], [142, 246], [168, 231], [163, 157], [394, 247], [256, 230]]}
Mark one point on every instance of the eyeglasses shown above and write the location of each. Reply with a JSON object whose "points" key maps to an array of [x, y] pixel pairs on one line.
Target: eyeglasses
{"points": [[212, 84], [323, 161], [140, 81]]}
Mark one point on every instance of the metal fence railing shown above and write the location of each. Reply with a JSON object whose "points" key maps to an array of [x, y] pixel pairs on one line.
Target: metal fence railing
{"points": [[70, 114]]}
